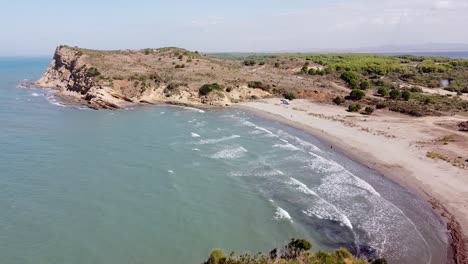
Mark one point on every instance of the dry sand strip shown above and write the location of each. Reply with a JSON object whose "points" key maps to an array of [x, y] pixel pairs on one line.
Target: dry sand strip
{"points": [[390, 144]]}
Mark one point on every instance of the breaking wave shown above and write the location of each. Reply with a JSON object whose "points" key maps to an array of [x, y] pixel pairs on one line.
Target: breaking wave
{"points": [[230, 153], [217, 140], [282, 214]]}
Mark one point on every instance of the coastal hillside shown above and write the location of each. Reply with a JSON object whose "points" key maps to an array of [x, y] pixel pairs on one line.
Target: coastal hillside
{"points": [[114, 79], [412, 85]]}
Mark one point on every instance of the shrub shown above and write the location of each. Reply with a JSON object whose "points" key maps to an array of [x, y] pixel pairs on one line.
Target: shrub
{"points": [[416, 90], [312, 72], [229, 89], [383, 91], [305, 69], [338, 100], [348, 76], [289, 95], [277, 64], [354, 107], [357, 94], [381, 105], [148, 51], [207, 88], [406, 95], [249, 62], [181, 57], [217, 257], [93, 71], [395, 94], [364, 85], [259, 85], [369, 110], [261, 63], [297, 246], [353, 84]]}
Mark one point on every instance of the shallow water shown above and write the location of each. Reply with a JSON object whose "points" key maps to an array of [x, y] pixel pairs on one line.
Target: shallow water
{"points": [[166, 185]]}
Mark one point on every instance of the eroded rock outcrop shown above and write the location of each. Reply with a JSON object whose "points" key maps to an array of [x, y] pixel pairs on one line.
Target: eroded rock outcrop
{"points": [[115, 79]]}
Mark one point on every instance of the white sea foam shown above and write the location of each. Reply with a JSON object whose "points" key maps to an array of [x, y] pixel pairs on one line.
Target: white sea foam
{"points": [[230, 153], [170, 171], [307, 146], [51, 99], [162, 113], [217, 140], [282, 214], [286, 146], [35, 94], [259, 129], [301, 186], [195, 135], [195, 149], [329, 213]]}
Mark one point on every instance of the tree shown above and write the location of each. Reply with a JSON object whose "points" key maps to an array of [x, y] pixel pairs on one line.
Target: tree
{"points": [[365, 85], [357, 94], [297, 246], [382, 91], [217, 256], [395, 94], [406, 95]]}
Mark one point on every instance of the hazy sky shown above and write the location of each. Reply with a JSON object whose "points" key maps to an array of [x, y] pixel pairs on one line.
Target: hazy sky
{"points": [[36, 27]]}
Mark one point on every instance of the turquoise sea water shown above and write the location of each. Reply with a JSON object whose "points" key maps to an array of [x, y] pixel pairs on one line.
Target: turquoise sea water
{"points": [[165, 184]]}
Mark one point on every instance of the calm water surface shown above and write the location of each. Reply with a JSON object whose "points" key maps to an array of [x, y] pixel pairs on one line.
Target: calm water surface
{"points": [[167, 185]]}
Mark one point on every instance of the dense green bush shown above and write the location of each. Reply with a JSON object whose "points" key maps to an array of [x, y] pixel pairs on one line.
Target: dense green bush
{"points": [[365, 85], [369, 110], [395, 94], [357, 94], [208, 88], [383, 91], [354, 107], [277, 64], [406, 95], [348, 76]]}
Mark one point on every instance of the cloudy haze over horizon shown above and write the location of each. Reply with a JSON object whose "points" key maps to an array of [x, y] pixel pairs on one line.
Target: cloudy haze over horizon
{"points": [[36, 27]]}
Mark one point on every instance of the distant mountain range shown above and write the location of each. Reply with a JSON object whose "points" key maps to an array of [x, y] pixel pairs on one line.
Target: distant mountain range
{"points": [[427, 47]]}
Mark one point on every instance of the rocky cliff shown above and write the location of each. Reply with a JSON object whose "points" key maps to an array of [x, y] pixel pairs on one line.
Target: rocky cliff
{"points": [[115, 79]]}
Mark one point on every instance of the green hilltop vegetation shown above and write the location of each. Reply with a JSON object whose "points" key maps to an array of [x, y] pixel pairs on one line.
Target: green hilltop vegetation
{"points": [[380, 81], [297, 251]]}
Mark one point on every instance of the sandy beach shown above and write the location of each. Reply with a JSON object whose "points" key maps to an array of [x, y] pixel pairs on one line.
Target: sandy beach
{"points": [[397, 146]]}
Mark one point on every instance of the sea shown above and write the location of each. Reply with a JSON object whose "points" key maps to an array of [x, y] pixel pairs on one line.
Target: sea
{"points": [[165, 184]]}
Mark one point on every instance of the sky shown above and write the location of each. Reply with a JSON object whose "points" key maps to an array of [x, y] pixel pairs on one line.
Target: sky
{"points": [[36, 27]]}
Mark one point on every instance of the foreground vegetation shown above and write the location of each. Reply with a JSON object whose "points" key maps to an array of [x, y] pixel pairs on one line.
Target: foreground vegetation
{"points": [[295, 252]]}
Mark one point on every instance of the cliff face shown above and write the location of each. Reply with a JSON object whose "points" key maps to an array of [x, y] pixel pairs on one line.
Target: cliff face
{"points": [[115, 79]]}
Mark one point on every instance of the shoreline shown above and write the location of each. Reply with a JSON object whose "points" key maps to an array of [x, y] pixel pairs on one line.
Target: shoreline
{"points": [[457, 252]]}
